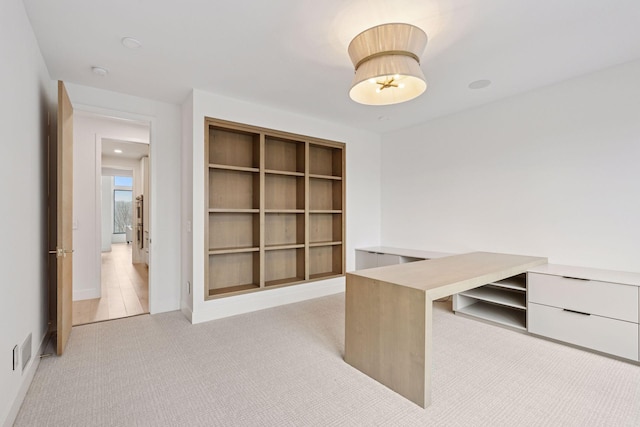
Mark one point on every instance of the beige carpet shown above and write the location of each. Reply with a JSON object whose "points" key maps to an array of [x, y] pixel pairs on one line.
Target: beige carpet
{"points": [[284, 367]]}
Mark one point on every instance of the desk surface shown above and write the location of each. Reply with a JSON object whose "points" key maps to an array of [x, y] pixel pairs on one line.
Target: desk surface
{"points": [[441, 277], [388, 314]]}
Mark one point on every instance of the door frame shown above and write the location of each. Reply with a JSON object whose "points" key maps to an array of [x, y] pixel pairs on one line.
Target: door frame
{"points": [[152, 185]]}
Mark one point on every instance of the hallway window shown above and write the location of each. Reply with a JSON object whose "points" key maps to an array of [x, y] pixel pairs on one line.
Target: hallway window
{"points": [[122, 203]]}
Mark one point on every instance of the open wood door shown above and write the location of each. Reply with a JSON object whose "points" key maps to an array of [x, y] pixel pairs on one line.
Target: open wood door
{"points": [[60, 221]]}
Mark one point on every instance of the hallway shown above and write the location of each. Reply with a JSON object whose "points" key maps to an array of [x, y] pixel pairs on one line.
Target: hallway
{"points": [[125, 289]]}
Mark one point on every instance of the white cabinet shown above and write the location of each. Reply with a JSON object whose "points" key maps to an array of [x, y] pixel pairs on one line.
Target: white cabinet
{"points": [[611, 336], [503, 302], [595, 314], [381, 256], [366, 259]]}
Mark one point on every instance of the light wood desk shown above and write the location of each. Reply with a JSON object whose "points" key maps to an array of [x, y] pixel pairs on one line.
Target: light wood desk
{"points": [[389, 314]]}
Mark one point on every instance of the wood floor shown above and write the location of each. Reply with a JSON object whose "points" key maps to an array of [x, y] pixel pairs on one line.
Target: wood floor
{"points": [[125, 289]]}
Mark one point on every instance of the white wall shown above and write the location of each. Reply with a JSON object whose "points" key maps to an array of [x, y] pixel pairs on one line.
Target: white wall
{"points": [[186, 213], [28, 95], [362, 206], [88, 130], [164, 268], [554, 172], [107, 214]]}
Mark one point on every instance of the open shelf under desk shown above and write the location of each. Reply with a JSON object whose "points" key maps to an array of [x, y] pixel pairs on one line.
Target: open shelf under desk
{"points": [[502, 315], [512, 299]]}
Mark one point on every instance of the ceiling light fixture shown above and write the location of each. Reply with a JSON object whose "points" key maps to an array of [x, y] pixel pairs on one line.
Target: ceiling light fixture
{"points": [[117, 150], [99, 71], [387, 64], [131, 43]]}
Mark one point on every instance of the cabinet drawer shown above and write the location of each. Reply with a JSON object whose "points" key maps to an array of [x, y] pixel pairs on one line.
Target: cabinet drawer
{"points": [[598, 333], [588, 296]]}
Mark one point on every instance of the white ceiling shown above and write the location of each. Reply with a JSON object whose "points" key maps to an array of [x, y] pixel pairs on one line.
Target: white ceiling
{"points": [[292, 54], [130, 150]]}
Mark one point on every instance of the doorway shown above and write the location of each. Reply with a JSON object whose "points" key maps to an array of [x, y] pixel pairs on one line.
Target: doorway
{"points": [[111, 218]]}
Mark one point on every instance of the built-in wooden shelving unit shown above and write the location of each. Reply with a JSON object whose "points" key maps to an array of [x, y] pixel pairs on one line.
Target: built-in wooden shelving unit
{"points": [[275, 211]]}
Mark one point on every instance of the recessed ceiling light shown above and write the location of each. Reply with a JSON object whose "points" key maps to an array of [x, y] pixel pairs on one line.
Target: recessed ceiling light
{"points": [[117, 151], [131, 43], [479, 84], [99, 71]]}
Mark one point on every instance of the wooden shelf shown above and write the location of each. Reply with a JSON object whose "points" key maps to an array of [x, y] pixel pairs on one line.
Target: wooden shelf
{"points": [[287, 281], [512, 299], [231, 272], [282, 265], [318, 244], [284, 155], [325, 227], [232, 289], [325, 260], [319, 276], [219, 210], [233, 230], [325, 211], [276, 172], [284, 229], [325, 195], [233, 168], [233, 147], [498, 314], [336, 178], [232, 250], [232, 189], [284, 192], [284, 211], [326, 160], [281, 247], [274, 209]]}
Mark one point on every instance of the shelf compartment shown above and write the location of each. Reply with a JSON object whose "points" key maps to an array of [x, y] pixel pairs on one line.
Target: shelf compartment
{"points": [[234, 272], [510, 298], [518, 282], [325, 160], [284, 266], [325, 227], [325, 261], [234, 231], [284, 192], [502, 315], [284, 155], [230, 189], [325, 195], [234, 148], [284, 229]]}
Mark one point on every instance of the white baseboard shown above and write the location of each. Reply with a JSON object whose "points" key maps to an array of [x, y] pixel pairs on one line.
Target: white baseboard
{"points": [[27, 378], [246, 303]]}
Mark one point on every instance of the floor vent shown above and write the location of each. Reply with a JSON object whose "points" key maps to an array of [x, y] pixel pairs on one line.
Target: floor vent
{"points": [[26, 352]]}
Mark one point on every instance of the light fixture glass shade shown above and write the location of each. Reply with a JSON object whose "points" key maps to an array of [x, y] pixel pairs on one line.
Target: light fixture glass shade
{"points": [[386, 59]]}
